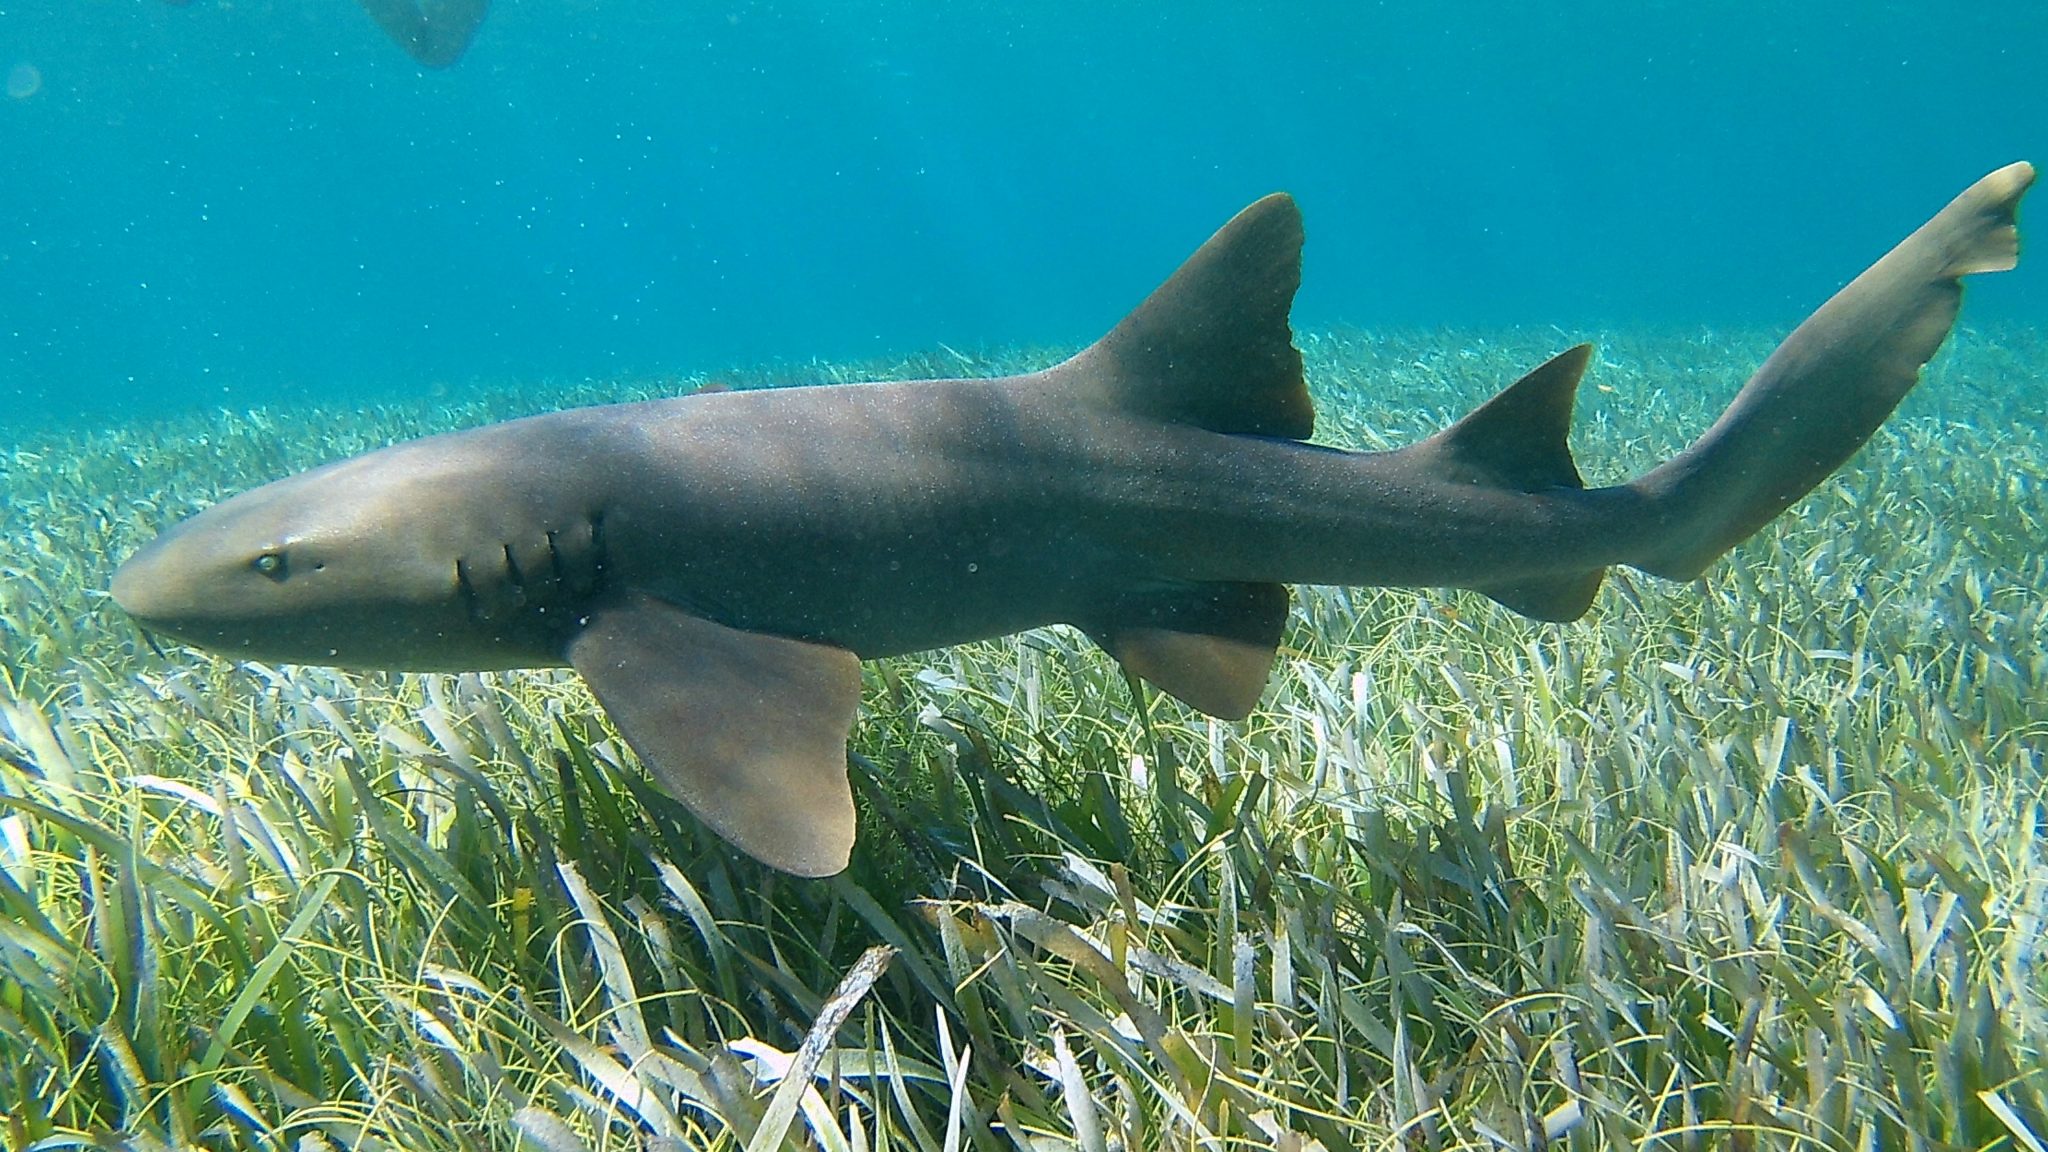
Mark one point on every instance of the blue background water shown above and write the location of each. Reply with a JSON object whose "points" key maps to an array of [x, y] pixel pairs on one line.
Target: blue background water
{"points": [[233, 203]]}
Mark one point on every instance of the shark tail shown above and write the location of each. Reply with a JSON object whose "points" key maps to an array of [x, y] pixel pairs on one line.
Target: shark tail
{"points": [[1824, 390], [1811, 405]]}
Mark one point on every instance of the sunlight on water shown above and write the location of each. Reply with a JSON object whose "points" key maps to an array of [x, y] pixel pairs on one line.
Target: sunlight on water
{"points": [[24, 80]]}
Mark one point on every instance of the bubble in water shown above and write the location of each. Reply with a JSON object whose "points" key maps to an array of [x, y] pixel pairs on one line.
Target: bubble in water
{"points": [[24, 80]]}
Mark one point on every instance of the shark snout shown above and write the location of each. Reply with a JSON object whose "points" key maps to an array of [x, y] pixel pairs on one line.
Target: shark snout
{"points": [[172, 590], [174, 580], [138, 586]]}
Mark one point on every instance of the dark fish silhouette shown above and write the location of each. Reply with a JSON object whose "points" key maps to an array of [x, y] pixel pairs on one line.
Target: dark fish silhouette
{"points": [[716, 565], [433, 32]]}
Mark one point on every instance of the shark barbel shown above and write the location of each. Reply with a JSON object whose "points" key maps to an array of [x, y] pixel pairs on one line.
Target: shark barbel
{"points": [[716, 565]]}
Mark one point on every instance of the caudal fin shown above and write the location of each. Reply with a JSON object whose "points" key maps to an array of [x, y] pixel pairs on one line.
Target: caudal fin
{"points": [[1829, 385]]}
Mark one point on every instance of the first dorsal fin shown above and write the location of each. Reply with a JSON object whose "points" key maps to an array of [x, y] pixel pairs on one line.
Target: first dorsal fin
{"points": [[1211, 346]]}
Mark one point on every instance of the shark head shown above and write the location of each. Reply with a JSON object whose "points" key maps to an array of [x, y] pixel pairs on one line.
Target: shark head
{"points": [[426, 555]]}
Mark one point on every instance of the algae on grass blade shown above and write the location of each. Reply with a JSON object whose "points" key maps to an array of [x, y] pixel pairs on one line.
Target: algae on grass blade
{"points": [[1755, 859]]}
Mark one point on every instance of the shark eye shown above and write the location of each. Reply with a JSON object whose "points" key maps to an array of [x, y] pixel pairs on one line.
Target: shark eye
{"points": [[270, 564]]}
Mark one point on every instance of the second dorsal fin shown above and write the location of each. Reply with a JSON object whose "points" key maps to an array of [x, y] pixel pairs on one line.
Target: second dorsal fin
{"points": [[1519, 439], [1211, 346]]}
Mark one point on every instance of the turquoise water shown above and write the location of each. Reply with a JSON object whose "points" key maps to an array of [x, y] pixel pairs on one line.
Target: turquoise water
{"points": [[260, 201]]}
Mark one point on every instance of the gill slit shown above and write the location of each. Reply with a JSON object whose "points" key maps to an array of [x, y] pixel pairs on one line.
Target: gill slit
{"points": [[469, 596], [514, 577], [555, 560]]}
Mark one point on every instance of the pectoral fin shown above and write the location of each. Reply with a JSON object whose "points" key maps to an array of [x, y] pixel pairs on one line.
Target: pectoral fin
{"points": [[747, 730]]}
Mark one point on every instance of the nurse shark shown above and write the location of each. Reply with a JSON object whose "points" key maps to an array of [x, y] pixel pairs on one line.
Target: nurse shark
{"points": [[717, 565]]}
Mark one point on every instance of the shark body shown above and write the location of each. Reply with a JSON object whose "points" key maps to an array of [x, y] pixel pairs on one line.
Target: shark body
{"points": [[715, 565]]}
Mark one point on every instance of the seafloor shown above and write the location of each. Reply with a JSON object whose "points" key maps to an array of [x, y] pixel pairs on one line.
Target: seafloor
{"points": [[1753, 861]]}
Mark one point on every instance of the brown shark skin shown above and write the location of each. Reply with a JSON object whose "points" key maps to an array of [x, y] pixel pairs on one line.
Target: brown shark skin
{"points": [[1151, 490], [881, 518], [937, 512]]}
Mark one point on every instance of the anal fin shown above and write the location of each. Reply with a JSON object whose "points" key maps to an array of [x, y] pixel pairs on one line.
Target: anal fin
{"points": [[1208, 645], [747, 730], [1558, 599]]}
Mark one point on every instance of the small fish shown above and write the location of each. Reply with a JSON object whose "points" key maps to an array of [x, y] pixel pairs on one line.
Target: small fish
{"points": [[433, 32], [716, 565]]}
